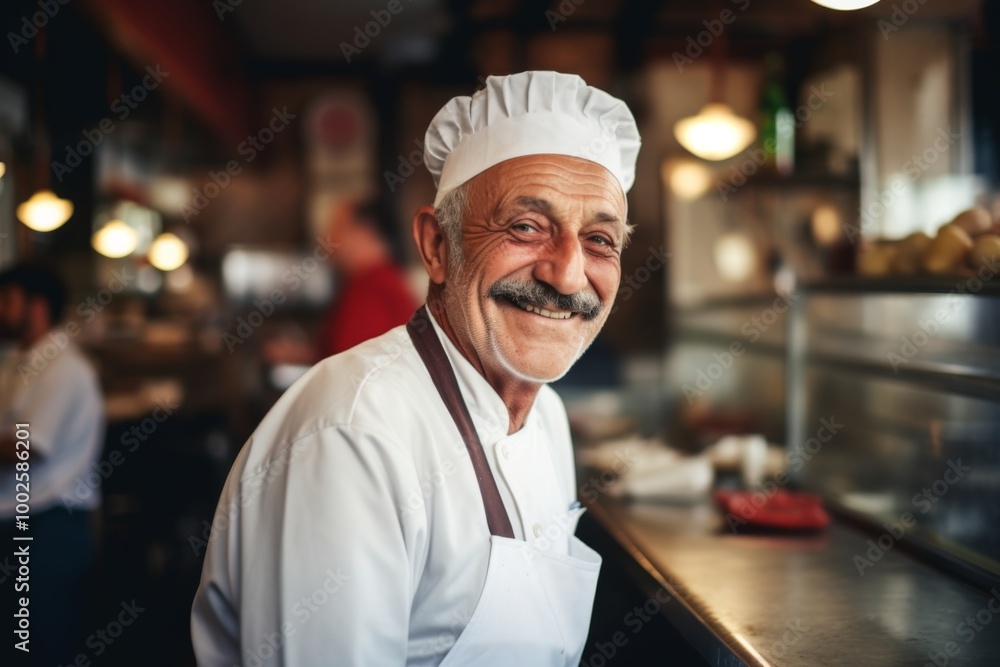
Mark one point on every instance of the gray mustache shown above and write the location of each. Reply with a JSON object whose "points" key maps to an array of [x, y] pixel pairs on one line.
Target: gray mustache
{"points": [[541, 295]]}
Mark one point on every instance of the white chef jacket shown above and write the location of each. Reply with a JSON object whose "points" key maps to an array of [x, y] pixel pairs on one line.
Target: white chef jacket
{"points": [[57, 393], [351, 530]]}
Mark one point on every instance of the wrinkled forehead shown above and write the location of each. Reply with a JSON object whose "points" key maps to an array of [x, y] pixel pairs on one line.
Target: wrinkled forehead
{"points": [[551, 184]]}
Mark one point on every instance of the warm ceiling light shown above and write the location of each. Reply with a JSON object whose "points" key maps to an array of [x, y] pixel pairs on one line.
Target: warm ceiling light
{"points": [[845, 5], [826, 227], [115, 239], [45, 211], [168, 252], [716, 133], [735, 257], [687, 179]]}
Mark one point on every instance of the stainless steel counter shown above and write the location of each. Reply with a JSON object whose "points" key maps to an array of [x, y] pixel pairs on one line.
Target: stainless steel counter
{"points": [[770, 600]]}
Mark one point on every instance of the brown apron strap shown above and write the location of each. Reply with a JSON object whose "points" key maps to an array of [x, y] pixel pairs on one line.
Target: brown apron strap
{"points": [[431, 351]]}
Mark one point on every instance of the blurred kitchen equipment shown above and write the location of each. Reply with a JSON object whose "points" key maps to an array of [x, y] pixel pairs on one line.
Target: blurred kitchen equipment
{"points": [[647, 469]]}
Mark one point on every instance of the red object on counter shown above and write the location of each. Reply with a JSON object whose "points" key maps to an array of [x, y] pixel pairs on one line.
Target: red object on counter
{"points": [[780, 510]]}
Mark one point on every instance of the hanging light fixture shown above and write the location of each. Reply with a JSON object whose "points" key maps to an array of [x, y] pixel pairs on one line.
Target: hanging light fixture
{"points": [[716, 132], [845, 5], [687, 179], [44, 211], [735, 257], [168, 252], [115, 239]]}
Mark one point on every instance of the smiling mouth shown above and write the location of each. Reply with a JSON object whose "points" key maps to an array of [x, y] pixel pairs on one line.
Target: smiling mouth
{"points": [[545, 312]]}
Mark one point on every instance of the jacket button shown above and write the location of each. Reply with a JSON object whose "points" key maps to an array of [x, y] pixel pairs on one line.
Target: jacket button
{"points": [[537, 529], [504, 452]]}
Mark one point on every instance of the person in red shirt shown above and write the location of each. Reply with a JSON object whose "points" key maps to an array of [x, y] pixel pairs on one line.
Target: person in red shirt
{"points": [[372, 292], [373, 296]]}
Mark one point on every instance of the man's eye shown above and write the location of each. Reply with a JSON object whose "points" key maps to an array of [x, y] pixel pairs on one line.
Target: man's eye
{"points": [[600, 240], [523, 227]]}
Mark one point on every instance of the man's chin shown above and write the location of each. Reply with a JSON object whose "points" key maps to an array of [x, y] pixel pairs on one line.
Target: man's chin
{"points": [[541, 370], [547, 358]]}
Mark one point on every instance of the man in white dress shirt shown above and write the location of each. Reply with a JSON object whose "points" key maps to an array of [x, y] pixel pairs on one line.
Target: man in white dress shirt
{"points": [[48, 386], [412, 501]]}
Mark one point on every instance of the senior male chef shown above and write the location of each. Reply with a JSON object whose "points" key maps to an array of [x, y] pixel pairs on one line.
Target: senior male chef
{"points": [[412, 501]]}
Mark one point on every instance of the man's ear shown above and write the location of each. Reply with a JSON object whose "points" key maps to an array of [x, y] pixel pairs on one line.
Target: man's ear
{"points": [[431, 243]]}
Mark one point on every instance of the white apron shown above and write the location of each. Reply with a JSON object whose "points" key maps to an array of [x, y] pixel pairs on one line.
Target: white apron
{"points": [[535, 606]]}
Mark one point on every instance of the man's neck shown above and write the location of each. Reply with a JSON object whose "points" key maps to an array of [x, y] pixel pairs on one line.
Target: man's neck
{"points": [[518, 395]]}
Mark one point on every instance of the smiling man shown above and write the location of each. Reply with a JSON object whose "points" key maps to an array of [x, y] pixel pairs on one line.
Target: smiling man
{"points": [[412, 501]]}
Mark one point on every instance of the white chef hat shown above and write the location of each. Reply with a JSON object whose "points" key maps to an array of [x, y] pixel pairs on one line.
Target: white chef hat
{"points": [[530, 113]]}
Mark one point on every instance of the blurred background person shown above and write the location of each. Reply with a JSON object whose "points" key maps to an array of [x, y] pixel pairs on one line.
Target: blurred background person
{"points": [[48, 384], [373, 295]]}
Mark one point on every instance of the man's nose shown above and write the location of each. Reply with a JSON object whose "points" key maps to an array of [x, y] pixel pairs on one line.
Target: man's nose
{"points": [[563, 265]]}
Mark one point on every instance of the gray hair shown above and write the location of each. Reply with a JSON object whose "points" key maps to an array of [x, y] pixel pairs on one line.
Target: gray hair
{"points": [[451, 214]]}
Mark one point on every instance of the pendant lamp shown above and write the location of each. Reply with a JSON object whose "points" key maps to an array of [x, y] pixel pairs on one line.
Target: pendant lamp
{"points": [[168, 252], [716, 132], [44, 211], [845, 5]]}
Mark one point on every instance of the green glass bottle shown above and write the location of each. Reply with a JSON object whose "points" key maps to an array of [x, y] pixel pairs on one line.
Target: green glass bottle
{"points": [[777, 123]]}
